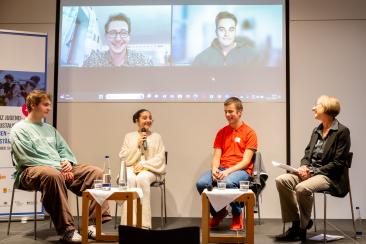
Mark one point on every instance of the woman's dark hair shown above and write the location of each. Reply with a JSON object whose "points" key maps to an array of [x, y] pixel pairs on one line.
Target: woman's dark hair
{"points": [[35, 78], [31, 83], [9, 77], [137, 114]]}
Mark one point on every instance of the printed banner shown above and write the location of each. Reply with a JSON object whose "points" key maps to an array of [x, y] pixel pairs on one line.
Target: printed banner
{"points": [[23, 66]]}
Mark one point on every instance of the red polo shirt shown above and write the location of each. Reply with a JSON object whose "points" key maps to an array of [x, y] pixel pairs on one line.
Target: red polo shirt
{"points": [[233, 143]]}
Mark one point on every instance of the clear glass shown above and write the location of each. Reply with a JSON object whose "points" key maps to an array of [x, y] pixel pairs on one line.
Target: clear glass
{"points": [[244, 185], [98, 184], [122, 186], [221, 185]]}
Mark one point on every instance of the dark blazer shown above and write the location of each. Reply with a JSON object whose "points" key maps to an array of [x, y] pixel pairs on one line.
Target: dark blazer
{"points": [[335, 158]]}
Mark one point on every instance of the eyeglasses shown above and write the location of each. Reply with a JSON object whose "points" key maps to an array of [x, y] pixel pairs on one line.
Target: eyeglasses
{"points": [[114, 34]]}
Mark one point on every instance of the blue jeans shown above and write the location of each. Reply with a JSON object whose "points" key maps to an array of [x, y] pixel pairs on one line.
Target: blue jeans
{"points": [[232, 181]]}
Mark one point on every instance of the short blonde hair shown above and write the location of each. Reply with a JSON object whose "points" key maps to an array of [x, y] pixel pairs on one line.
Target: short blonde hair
{"points": [[330, 105], [35, 97]]}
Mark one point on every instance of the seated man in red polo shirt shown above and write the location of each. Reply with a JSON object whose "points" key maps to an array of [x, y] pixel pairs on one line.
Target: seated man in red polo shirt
{"points": [[234, 148]]}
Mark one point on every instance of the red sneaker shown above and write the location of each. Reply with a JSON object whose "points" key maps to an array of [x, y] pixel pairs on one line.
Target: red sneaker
{"points": [[237, 223], [215, 220]]}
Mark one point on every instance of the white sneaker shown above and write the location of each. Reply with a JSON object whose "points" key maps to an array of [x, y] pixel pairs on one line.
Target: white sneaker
{"points": [[92, 232], [71, 236]]}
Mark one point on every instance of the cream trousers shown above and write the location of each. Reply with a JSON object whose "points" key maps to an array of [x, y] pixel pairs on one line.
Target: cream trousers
{"points": [[142, 180]]}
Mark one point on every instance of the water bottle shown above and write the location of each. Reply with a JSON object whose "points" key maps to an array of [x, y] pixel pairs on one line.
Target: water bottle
{"points": [[107, 178], [122, 180], [358, 223]]}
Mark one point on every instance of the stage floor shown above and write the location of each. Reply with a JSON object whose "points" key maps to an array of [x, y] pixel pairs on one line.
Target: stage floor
{"points": [[264, 233]]}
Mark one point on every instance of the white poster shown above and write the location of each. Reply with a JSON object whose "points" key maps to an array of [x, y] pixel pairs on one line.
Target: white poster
{"points": [[23, 66], [23, 205]]}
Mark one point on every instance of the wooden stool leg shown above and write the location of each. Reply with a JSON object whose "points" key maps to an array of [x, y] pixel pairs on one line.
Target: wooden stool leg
{"points": [[130, 211], [250, 220], [205, 219], [85, 217], [139, 213]]}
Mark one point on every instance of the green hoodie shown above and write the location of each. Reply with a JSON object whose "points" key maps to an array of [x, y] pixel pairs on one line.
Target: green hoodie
{"points": [[37, 144]]}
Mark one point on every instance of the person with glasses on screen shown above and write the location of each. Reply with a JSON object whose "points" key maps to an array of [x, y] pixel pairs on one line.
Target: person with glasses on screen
{"points": [[227, 48], [323, 168], [117, 36], [234, 147], [44, 162]]}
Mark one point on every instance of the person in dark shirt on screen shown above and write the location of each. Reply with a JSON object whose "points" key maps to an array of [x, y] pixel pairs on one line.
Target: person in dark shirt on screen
{"points": [[227, 48]]}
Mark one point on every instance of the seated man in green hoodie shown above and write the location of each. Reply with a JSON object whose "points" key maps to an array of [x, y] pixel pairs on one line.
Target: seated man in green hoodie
{"points": [[45, 163], [227, 48]]}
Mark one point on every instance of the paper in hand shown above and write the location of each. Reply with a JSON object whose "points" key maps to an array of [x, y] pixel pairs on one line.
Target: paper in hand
{"points": [[285, 166]]}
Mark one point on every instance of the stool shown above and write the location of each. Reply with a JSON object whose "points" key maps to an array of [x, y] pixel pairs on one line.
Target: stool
{"points": [[249, 199]]}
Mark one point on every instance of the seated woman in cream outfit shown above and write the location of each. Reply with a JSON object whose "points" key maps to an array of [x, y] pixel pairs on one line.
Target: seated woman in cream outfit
{"points": [[144, 155]]}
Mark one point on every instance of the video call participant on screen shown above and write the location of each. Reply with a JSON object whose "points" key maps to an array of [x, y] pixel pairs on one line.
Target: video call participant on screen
{"points": [[45, 163], [227, 48], [117, 36], [234, 147], [322, 168], [144, 155]]}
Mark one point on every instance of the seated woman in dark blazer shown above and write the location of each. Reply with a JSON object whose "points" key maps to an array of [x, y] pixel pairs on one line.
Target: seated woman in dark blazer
{"points": [[322, 168]]}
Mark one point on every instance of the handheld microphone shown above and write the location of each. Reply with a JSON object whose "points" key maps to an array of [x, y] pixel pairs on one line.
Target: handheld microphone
{"points": [[144, 144], [209, 187]]}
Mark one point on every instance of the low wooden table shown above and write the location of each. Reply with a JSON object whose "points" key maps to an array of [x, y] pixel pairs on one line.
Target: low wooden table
{"points": [[249, 199], [116, 196]]}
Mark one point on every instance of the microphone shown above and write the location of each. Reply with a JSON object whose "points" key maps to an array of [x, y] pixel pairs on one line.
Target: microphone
{"points": [[209, 187], [145, 142]]}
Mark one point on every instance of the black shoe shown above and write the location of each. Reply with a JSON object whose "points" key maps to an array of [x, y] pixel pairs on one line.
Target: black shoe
{"points": [[310, 224], [292, 234], [303, 235]]}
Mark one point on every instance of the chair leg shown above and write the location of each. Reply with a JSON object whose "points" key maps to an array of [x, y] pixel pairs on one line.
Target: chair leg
{"points": [[11, 209], [77, 211], [50, 222], [161, 206], [165, 204], [314, 212], [353, 214], [259, 210], [115, 216], [325, 219], [35, 215], [244, 212]]}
